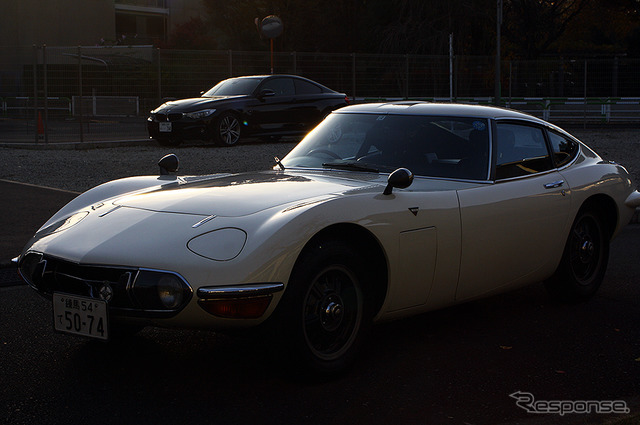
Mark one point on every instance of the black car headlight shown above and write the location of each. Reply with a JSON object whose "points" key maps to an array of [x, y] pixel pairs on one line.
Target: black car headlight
{"points": [[198, 115], [160, 290], [31, 267]]}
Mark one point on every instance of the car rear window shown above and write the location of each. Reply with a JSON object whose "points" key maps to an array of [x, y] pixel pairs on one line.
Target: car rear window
{"points": [[564, 148], [521, 150], [305, 87]]}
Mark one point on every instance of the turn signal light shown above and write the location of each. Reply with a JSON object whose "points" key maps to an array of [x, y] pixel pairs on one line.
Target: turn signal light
{"points": [[237, 308]]}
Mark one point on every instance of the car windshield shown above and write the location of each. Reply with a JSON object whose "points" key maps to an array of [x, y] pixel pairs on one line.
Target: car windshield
{"points": [[234, 87], [432, 146]]}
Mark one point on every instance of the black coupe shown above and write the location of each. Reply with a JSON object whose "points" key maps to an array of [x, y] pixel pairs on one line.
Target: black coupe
{"points": [[264, 106]]}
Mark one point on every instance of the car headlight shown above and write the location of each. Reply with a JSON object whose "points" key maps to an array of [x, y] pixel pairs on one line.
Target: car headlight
{"points": [[220, 245], [63, 224], [159, 290], [198, 115]]}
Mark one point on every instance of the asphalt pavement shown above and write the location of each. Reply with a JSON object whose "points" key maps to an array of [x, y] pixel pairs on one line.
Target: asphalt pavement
{"points": [[455, 366]]}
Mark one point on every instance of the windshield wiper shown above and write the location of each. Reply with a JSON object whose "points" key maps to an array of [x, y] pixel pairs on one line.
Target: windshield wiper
{"points": [[352, 166]]}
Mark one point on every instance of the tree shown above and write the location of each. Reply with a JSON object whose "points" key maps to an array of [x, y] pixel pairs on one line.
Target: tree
{"points": [[531, 26], [193, 34]]}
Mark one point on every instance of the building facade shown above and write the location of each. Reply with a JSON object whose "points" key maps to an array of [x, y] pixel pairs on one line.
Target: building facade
{"points": [[93, 22]]}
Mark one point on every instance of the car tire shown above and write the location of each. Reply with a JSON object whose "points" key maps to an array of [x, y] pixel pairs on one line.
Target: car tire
{"points": [[584, 260], [326, 310], [227, 129]]}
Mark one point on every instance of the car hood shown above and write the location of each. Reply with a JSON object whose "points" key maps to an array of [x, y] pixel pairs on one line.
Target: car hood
{"points": [[241, 194], [196, 103]]}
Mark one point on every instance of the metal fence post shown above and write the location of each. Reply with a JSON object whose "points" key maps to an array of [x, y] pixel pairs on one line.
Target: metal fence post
{"points": [[46, 94], [451, 67], [584, 122], [406, 74], [353, 75], [295, 63], [159, 76], [614, 83], [80, 107], [35, 90], [230, 63]]}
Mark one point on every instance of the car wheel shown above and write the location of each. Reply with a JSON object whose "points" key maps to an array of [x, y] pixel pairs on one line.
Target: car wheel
{"points": [[169, 142], [227, 132], [327, 313], [584, 260]]}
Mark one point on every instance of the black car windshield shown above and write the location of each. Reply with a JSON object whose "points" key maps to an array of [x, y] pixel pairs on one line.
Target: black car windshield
{"points": [[234, 87], [433, 146]]}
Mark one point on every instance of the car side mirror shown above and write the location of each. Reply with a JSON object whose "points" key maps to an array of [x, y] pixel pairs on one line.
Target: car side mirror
{"points": [[266, 93], [401, 178], [168, 164]]}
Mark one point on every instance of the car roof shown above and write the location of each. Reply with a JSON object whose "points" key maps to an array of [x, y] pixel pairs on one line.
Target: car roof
{"points": [[442, 109], [265, 76]]}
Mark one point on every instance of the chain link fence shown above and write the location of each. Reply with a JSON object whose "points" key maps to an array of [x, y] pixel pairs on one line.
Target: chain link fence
{"points": [[52, 94]]}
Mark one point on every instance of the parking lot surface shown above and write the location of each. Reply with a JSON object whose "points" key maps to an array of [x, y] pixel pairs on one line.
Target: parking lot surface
{"points": [[455, 366]]}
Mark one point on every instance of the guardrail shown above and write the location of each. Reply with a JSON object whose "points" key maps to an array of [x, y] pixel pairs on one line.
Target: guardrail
{"points": [[113, 106], [27, 104]]}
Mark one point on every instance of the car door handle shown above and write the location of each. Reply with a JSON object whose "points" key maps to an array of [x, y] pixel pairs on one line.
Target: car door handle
{"points": [[554, 184]]}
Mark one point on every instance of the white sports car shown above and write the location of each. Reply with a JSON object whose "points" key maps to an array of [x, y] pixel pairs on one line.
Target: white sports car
{"points": [[381, 212]]}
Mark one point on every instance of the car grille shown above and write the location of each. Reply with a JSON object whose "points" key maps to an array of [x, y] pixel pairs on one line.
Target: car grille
{"points": [[49, 275], [168, 117]]}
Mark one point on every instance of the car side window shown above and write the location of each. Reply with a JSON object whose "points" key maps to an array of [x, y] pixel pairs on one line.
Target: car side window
{"points": [[521, 150], [564, 149], [280, 86], [305, 87]]}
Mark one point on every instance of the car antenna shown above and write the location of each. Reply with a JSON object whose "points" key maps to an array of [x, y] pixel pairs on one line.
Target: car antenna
{"points": [[278, 162]]}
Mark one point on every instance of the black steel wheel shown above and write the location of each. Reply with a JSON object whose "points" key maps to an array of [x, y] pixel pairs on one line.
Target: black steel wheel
{"points": [[227, 132], [584, 260], [326, 310]]}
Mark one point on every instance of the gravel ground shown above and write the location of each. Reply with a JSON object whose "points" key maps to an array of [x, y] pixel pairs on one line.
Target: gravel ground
{"points": [[79, 170]]}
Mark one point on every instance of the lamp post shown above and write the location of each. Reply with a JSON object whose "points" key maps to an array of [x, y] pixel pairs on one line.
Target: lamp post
{"points": [[271, 27]]}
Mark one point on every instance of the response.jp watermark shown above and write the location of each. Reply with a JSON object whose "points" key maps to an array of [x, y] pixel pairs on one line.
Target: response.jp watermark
{"points": [[528, 402]]}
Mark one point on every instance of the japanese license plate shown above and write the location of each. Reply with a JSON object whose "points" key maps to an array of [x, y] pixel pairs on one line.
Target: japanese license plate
{"points": [[164, 127], [80, 316]]}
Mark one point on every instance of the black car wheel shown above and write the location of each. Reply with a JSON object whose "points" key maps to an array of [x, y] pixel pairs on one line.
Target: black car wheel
{"points": [[326, 311], [227, 131], [584, 260]]}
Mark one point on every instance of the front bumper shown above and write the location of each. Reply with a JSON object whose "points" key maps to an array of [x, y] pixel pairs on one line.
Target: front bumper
{"points": [[130, 292], [180, 130], [135, 292]]}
